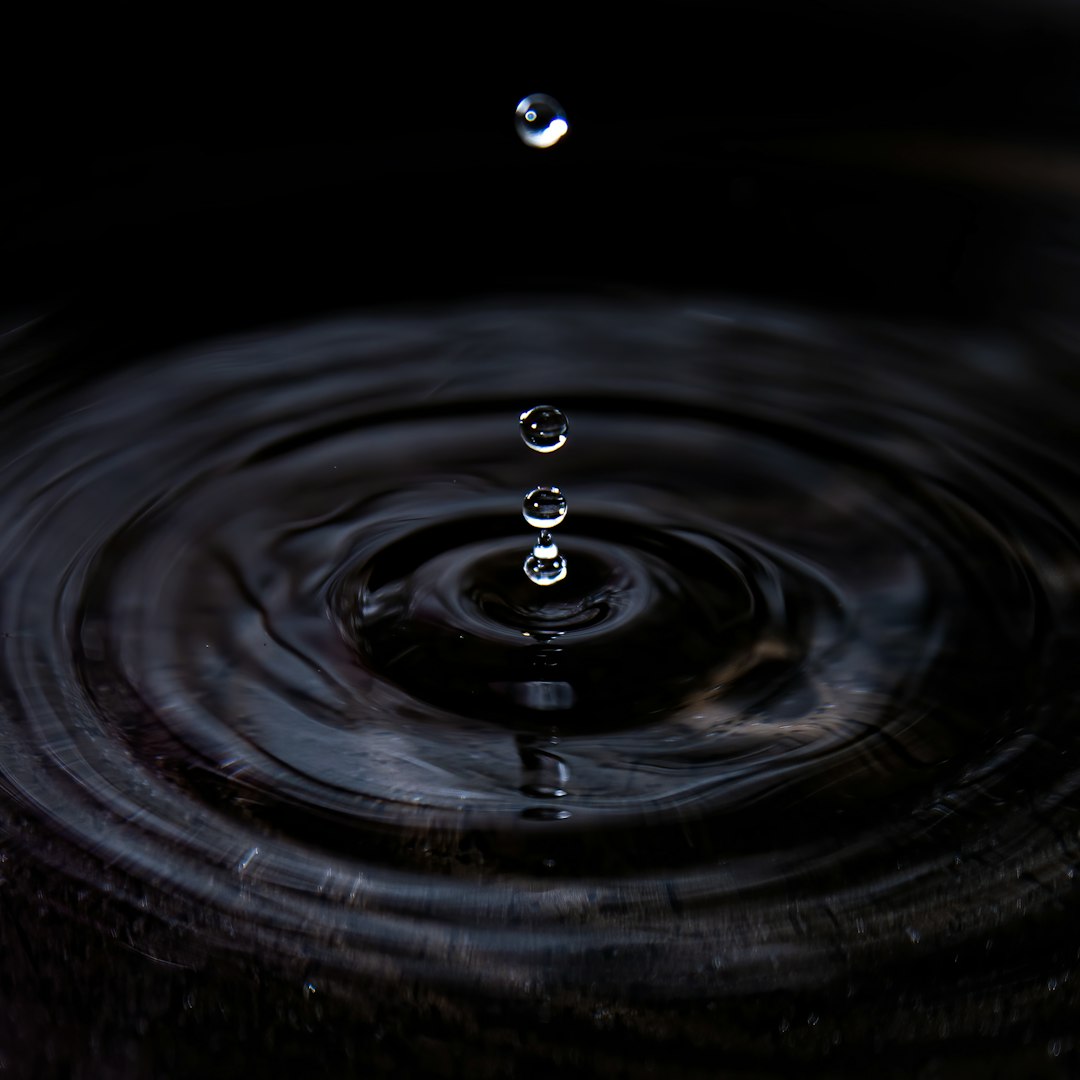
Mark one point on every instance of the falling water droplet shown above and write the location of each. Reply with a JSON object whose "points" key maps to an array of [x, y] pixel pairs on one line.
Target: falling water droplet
{"points": [[545, 546], [540, 121], [544, 507], [545, 566], [545, 813], [544, 428]]}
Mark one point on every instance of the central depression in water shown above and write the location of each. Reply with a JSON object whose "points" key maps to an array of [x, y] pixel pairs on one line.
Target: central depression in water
{"points": [[805, 702]]}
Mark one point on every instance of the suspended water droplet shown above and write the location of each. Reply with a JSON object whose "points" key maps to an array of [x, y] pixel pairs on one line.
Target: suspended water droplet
{"points": [[544, 507], [545, 546], [544, 428], [541, 571], [540, 121]]}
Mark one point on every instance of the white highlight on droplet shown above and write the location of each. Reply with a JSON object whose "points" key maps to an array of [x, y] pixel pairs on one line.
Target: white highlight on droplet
{"points": [[544, 428], [540, 121]]}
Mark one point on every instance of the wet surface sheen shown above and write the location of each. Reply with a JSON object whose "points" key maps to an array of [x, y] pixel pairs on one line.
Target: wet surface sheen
{"points": [[802, 715]]}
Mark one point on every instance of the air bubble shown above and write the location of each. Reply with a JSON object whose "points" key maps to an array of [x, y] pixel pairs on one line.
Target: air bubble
{"points": [[540, 121], [544, 428], [544, 507]]}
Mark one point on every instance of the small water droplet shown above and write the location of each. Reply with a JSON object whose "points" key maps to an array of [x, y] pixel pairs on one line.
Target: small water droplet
{"points": [[540, 121], [544, 507], [545, 547], [1053, 1048], [544, 428], [545, 571], [310, 988]]}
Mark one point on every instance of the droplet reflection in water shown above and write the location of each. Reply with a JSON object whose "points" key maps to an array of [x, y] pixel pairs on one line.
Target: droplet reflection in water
{"points": [[540, 121], [544, 428], [544, 507]]}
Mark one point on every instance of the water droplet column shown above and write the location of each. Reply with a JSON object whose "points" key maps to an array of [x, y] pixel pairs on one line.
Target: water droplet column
{"points": [[544, 429]]}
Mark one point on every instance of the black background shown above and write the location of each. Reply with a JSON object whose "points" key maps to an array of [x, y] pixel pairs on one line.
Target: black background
{"points": [[874, 157], [166, 176]]}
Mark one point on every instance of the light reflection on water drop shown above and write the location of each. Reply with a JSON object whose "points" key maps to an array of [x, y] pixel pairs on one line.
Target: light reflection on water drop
{"points": [[545, 566], [545, 546], [540, 121], [544, 428], [544, 507]]}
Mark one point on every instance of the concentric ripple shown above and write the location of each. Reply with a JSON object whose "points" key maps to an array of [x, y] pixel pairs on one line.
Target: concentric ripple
{"points": [[808, 699]]}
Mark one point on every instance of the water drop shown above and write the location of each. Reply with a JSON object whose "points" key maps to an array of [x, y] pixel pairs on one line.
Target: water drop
{"points": [[545, 571], [545, 565], [540, 121], [545, 546], [544, 507], [543, 427]]}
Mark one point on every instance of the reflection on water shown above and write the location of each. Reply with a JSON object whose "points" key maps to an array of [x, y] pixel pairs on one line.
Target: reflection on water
{"points": [[786, 766]]}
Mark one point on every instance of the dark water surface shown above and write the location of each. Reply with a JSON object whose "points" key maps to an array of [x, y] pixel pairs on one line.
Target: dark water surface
{"points": [[300, 775], [783, 775]]}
